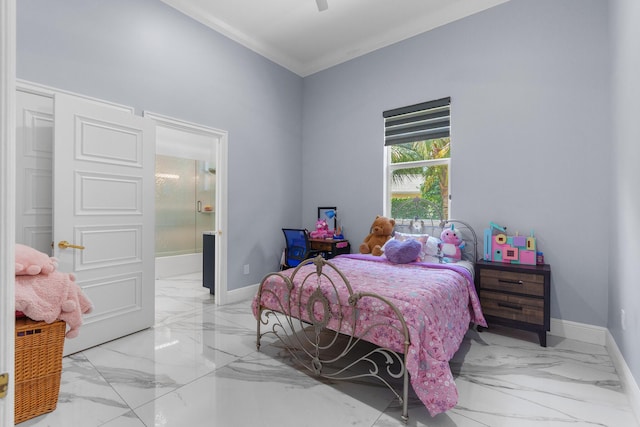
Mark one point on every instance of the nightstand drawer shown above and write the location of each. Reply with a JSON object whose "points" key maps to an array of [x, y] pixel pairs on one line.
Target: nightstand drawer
{"points": [[523, 309], [509, 281]]}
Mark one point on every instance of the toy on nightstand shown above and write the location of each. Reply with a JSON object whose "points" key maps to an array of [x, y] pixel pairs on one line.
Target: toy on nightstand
{"points": [[499, 247], [322, 230], [338, 233]]}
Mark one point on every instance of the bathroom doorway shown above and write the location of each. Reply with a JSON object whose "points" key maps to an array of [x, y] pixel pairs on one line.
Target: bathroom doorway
{"points": [[189, 198]]}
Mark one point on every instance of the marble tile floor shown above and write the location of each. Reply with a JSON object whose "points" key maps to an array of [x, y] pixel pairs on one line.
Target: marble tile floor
{"points": [[198, 366]]}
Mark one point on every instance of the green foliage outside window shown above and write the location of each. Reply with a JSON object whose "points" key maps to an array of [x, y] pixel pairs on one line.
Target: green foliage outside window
{"points": [[415, 208], [434, 187]]}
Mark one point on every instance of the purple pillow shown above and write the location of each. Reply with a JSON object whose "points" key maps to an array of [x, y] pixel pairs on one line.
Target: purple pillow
{"points": [[404, 252]]}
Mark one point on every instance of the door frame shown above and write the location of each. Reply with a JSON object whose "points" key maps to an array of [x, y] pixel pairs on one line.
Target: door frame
{"points": [[7, 207], [220, 150], [49, 91]]}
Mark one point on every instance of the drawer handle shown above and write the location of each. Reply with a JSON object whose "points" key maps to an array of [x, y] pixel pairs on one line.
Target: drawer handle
{"points": [[513, 282], [511, 306]]}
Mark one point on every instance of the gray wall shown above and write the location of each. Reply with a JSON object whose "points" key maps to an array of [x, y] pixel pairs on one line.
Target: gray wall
{"points": [[624, 270], [529, 82], [145, 54]]}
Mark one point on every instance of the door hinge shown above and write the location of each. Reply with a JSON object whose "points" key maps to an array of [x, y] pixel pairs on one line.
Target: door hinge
{"points": [[4, 385]]}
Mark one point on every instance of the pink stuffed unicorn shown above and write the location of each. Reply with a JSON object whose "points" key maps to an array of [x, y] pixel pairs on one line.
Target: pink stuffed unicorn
{"points": [[452, 244]]}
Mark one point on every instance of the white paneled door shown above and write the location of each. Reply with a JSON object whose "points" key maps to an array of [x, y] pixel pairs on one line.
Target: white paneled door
{"points": [[104, 190]]}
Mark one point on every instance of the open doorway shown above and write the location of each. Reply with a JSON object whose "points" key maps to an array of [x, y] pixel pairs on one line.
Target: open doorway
{"points": [[189, 199]]}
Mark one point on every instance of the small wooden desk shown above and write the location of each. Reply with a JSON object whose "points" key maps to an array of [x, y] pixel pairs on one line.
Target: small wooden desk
{"points": [[330, 247]]}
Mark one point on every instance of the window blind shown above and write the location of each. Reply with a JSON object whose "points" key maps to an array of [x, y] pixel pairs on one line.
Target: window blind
{"points": [[419, 122]]}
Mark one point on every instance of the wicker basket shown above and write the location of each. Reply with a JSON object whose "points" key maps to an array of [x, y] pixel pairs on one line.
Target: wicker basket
{"points": [[38, 367]]}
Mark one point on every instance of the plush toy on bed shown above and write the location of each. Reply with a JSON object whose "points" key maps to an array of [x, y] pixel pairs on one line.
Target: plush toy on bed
{"points": [[30, 261], [381, 231], [402, 252], [452, 244]]}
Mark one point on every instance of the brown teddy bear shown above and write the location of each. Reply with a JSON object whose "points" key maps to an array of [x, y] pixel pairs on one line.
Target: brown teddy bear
{"points": [[381, 230]]}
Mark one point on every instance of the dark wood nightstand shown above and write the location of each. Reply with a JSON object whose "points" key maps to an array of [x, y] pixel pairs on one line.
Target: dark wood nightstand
{"points": [[515, 295], [330, 247]]}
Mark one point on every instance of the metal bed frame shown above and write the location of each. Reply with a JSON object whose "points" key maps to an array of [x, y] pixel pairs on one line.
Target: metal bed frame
{"points": [[311, 343]]}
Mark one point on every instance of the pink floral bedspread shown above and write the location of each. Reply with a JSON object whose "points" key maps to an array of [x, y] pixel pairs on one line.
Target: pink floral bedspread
{"points": [[437, 301]]}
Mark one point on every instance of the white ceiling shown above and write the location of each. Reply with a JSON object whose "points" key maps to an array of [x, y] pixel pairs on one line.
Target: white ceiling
{"points": [[294, 34]]}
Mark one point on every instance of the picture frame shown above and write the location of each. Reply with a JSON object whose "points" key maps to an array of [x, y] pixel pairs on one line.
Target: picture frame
{"points": [[329, 214]]}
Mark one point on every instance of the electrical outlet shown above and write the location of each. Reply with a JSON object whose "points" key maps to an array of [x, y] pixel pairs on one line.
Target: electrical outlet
{"points": [[246, 269], [623, 319]]}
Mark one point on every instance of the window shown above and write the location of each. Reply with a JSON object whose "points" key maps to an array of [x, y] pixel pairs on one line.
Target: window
{"points": [[418, 155]]}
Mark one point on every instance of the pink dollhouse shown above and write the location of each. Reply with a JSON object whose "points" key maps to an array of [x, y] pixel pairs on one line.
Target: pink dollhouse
{"points": [[499, 247]]}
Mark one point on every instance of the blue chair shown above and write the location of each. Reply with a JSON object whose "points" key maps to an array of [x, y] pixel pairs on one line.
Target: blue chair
{"points": [[297, 248]]}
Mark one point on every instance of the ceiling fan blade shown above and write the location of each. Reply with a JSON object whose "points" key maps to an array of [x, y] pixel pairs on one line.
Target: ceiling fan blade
{"points": [[322, 5]]}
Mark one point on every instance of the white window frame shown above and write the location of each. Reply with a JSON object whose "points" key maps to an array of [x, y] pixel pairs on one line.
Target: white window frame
{"points": [[391, 167]]}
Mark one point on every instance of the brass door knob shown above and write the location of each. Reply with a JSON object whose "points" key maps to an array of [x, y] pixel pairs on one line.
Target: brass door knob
{"points": [[63, 244]]}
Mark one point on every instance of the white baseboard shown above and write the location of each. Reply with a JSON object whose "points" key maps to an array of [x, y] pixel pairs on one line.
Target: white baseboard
{"points": [[601, 336], [177, 265], [578, 331], [242, 294], [628, 382]]}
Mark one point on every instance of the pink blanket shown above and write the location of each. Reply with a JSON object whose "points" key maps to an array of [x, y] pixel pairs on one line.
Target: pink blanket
{"points": [[438, 303], [50, 297]]}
